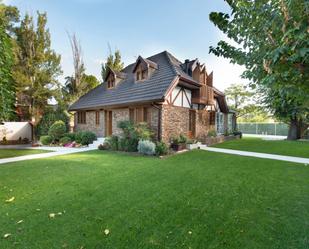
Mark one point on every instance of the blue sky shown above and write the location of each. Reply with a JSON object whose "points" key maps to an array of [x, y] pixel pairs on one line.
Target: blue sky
{"points": [[135, 27]]}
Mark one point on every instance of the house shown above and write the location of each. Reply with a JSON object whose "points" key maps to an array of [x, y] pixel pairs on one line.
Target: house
{"points": [[171, 96]]}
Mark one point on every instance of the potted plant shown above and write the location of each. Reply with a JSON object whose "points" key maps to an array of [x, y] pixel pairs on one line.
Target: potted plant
{"points": [[179, 143]]}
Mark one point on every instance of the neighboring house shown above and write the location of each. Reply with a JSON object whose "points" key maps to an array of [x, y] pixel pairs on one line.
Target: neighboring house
{"points": [[172, 97]]}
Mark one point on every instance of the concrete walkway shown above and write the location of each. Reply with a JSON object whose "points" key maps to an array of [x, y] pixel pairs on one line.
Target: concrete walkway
{"points": [[258, 155], [60, 151]]}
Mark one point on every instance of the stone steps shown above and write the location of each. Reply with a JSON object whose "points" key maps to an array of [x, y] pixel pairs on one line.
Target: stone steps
{"points": [[96, 143]]}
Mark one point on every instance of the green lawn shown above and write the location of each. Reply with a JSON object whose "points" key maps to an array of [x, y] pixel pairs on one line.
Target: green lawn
{"points": [[193, 200], [279, 147], [6, 153]]}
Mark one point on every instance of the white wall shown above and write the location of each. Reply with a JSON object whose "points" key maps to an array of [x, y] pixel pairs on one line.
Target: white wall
{"points": [[15, 130]]}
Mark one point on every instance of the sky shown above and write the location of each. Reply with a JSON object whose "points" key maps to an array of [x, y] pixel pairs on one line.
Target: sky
{"points": [[135, 27]]}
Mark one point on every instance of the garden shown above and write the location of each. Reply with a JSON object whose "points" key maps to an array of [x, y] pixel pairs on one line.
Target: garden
{"points": [[58, 136]]}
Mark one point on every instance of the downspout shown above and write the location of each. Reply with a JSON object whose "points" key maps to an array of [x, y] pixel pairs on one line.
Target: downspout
{"points": [[159, 120]]}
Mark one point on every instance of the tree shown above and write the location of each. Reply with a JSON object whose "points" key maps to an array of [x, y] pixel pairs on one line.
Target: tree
{"points": [[79, 83], [37, 66], [8, 16], [113, 61], [274, 48]]}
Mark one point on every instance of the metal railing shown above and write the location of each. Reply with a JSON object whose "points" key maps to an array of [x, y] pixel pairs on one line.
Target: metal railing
{"points": [[275, 129]]}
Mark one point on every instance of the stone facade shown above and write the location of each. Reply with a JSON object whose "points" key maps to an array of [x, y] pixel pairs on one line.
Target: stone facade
{"points": [[91, 125], [174, 121], [119, 115], [202, 124]]}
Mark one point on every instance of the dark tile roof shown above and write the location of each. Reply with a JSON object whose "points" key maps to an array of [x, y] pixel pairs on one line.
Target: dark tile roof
{"points": [[129, 91]]}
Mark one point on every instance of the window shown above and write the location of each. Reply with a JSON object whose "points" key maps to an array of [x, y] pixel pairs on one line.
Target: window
{"points": [[97, 117], [111, 81], [138, 75], [139, 114], [141, 74], [144, 74], [81, 117]]}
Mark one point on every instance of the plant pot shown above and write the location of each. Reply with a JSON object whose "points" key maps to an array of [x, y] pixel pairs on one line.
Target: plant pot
{"points": [[178, 147]]}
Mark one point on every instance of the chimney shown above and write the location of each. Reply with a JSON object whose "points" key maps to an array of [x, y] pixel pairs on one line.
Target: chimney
{"points": [[186, 66]]}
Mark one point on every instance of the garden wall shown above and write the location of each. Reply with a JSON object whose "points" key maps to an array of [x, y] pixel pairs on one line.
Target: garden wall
{"points": [[13, 131]]}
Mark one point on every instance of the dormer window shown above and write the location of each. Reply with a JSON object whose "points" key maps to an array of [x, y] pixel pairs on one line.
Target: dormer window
{"points": [[113, 78], [144, 68], [111, 81]]}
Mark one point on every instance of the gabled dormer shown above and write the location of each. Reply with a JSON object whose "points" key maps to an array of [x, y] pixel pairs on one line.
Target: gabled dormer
{"points": [[143, 69], [113, 78]]}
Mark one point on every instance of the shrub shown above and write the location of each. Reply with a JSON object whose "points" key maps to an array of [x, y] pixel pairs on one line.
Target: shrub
{"points": [[112, 142], [46, 140], [78, 137], [65, 140], [87, 137], [146, 147], [25, 140], [212, 133], [50, 117], [132, 133], [182, 139], [57, 130], [71, 135], [175, 140], [161, 149], [104, 146], [235, 133]]}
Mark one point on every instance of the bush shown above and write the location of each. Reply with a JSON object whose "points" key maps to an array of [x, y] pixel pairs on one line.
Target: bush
{"points": [[65, 140], [161, 149], [235, 133], [146, 147], [50, 117], [71, 135], [46, 140], [104, 146], [87, 137], [212, 133], [112, 142], [182, 139], [78, 137], [57, 130], [132, 133]]}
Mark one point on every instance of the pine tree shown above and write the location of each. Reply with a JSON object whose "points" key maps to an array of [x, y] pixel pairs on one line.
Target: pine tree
{"points": [[113, 61]]}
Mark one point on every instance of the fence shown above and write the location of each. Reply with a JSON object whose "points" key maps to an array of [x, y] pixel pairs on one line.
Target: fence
{"points": [[276, 129]]}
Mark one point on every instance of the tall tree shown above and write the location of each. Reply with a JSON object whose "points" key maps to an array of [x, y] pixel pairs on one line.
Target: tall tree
{"points": [[113, 61], [79, 83], [37, 65], [273, 39], [8, 16]]}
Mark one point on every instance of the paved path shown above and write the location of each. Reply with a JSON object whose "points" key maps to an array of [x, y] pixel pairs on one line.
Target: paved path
{"points": [[256, 154], [59, 151]]}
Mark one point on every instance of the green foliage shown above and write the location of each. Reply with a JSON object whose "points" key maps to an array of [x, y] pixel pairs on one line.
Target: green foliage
{"points": [[274, 40], [181, 139], [212, 133], [78, 137], [146, 147], [113, 62], [46, 140], [37, 66], [112, 143], [161, 149], [87, 137], [132, 133], [65, 140], [7, 86], [50, 117], [57, 130], [71, 135]]}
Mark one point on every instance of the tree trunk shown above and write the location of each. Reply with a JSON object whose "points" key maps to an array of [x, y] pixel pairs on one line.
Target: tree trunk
{"points": [[297, 129], [294, 129]]}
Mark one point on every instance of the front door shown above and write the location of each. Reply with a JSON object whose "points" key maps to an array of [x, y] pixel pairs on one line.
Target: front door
{"points": [[108, 123]]}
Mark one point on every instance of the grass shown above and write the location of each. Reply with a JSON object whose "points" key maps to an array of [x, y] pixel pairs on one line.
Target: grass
{"points": [[194, 200], [6, 153], [279, 147]]}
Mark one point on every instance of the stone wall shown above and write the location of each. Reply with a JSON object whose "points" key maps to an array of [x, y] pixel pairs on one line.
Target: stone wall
{"points": [[90, 125], [202, 124], [153, 116], [119, 115], [175, 121]]}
